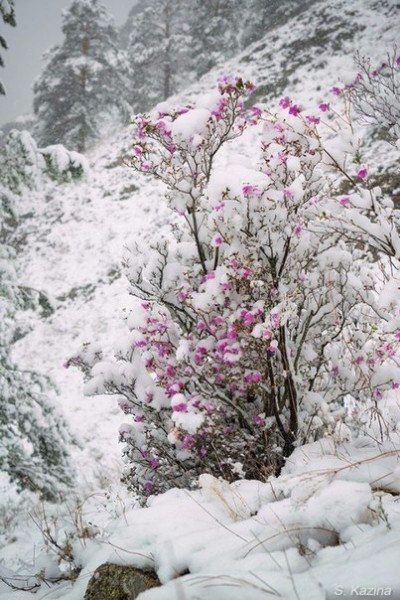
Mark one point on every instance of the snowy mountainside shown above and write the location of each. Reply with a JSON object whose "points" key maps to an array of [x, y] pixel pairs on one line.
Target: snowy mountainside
{"points": [[315, 49], [75, 242], [87, 295]]}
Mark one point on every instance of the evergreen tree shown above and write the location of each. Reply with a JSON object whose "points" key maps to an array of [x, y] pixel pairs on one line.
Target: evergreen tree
{"points": [[159, 52], [215, 31], [83, 80], [33, 436], [7, 13]]}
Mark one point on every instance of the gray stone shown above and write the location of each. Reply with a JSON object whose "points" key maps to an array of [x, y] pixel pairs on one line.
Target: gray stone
{"points": [[116, 582]]}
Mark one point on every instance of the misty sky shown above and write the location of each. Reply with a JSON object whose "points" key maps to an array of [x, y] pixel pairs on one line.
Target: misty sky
{"points": [[38, 28]]}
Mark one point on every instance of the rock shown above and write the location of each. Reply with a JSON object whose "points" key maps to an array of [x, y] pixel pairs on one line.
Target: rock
{"points": [[116, 582]]}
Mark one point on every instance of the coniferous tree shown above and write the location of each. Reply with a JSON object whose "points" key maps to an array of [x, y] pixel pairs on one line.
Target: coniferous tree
{"points": [[7, 13], [83, 82], [215, 31], [159, 52]]}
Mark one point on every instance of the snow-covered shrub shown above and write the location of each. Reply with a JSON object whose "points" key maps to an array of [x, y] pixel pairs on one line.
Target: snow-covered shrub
{"points": [[375, 93], [62, 165], [25, 166], [20, 162], [259, 325]]}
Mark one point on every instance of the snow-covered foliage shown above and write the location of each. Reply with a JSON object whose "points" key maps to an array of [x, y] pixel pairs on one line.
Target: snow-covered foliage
{"points": [[7, 13], [24, 166], [83, 82], [63, 165], [158, 52], [376, 96], [33, 436], [261, 325]]}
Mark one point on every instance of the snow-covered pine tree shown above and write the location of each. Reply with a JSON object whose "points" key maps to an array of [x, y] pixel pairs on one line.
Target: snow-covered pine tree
{"points": [[83, 84], [159, 52], [33, 436], [215, 30], [7, 13]]}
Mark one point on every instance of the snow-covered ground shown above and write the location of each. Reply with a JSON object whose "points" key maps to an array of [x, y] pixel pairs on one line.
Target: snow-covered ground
{"points": [[331, 521]]}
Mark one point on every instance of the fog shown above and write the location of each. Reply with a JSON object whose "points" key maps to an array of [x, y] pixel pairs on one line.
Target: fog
{"points": [[38, 28]]}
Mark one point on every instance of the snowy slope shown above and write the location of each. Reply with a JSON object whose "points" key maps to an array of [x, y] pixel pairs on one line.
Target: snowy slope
{"points": [[76, 239]]}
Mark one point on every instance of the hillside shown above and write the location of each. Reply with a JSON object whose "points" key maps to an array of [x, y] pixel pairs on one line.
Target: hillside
{"points": [[244, 540]]}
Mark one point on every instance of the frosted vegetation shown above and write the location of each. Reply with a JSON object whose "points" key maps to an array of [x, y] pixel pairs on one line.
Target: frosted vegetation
{"points": [[219, 282]]}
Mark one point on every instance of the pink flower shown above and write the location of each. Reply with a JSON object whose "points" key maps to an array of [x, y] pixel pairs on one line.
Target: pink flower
{"points": [[344, 201], [137, 149], [336, 91], [285, 102], [154, 462], [397, 335], [148, 488], [256, 376], [217, 240], [187, 441], [169, 371], [258, 420], [248, 190], [200, 326], [297, 230], [255, 111], [312, 120], [248, 319], [362, 173], [398, 61], [201, 350], [275, 320], [180, 407], [294, 110], [323, 107], [160, 125]]}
